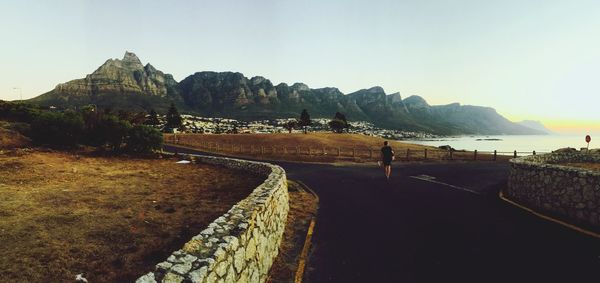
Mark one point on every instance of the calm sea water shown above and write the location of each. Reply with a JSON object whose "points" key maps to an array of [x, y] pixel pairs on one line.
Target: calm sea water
{"points": [[521, 143]]}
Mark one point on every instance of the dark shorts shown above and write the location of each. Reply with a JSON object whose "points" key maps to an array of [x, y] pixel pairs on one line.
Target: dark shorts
{"points": [[387, 162]]}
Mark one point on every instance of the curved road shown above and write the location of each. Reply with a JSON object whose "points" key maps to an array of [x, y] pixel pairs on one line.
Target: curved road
{"points": [[434, 222]]}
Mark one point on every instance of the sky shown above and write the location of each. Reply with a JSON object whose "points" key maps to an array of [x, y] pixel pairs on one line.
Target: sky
{"points": [[534, 60]]}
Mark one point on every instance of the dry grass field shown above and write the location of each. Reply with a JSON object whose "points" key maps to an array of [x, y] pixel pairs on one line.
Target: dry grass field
{"points": [[314, 140], [314, 147], [110, 218], [589, 166]]}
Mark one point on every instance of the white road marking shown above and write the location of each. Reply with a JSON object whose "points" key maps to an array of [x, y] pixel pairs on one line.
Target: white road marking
{"points": [[431, 179]]}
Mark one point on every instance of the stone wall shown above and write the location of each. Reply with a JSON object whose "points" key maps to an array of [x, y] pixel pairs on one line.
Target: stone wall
{"points": [[570, 193], [239, 246]]}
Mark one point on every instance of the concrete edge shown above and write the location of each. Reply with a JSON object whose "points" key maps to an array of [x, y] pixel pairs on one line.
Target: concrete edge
{"points": [[548, 218], [308, 239]]}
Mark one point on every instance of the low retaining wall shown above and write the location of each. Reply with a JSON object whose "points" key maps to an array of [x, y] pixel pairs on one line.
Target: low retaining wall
{"points": [[541, 183], [239, 246]]}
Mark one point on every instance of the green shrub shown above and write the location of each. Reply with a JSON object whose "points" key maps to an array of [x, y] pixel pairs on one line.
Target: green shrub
{"points": [[143, 139], [112, 131], [19, 112], [57, 129]]}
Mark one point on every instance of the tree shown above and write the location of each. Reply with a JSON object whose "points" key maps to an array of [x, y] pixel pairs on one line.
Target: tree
{"points": [[111, 131], [338, 124], [304, 120], [90, 116], [173, 118], [143, 139], [57, 129], [152, 119], [21, 112], [290, 125], [107, 110], [138, 118], [124, 115]]}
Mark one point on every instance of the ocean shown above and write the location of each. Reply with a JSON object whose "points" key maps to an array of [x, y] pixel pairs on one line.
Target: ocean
{"points": [[507, 144]]}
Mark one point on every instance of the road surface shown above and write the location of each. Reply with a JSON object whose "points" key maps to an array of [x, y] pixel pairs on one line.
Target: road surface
{"points": [[434, 222]]}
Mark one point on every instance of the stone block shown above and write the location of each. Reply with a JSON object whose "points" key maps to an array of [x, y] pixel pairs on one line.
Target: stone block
{"points": [[182, 268], [239, 259], [148, 278], [221, 268], [212, 277], [250, 249], [198, 275], [172, 278], [230, 277]]}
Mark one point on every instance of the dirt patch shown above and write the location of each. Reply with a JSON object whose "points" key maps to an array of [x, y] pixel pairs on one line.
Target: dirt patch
{"points": [[589, 166], [112, 219], [303, 207]]}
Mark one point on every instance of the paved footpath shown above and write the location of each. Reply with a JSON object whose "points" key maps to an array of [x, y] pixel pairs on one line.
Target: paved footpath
{"points": [[434, 222]]}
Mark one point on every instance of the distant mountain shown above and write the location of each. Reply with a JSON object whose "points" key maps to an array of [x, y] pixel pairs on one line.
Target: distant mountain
{"points": [[536, 125], [127, 84], [119, 84]]}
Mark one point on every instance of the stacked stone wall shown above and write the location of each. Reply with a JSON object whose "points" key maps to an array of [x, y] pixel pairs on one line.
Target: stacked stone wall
{"points": [[239, 246], [542, 183]]}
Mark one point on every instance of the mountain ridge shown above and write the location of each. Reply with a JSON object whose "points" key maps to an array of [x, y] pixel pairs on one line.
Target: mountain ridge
{"points": [[128, 84], [536, 125]]}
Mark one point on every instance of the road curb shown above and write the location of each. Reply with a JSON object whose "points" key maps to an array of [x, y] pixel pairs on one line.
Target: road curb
{"points": [[307, 240], [548, 218]]}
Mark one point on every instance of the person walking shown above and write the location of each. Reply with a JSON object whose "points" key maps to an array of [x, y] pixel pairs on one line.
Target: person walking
{"points": [[387, 155]]}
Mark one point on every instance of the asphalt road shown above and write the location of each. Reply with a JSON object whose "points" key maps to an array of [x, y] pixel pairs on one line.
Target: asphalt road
{"points": [[434, 222]]}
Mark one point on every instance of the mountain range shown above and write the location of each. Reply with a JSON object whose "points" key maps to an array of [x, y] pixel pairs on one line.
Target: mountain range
{"points": [[536, 125], [128, 84]]}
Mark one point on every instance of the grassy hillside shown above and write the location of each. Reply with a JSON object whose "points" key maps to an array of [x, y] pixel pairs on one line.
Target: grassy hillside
{"points": [[10, 138]]}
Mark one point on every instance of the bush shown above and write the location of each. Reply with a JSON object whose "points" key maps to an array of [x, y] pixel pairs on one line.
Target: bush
{"points": [[114, 131], [19, 112], [57, 129], [143, 139], [339, 123], [87, 126], [108, 131]]}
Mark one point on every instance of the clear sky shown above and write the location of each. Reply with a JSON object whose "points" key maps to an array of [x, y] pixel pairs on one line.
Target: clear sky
{"points": [[535, 60]]}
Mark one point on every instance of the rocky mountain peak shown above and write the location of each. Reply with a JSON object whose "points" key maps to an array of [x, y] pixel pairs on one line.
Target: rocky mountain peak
{"points": [[149, 68], [131, 61], [300, 87], [131, 57], [125, 76], [376, 89], [395, 97], [415, 100], [257, 80], [331, 90]]}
